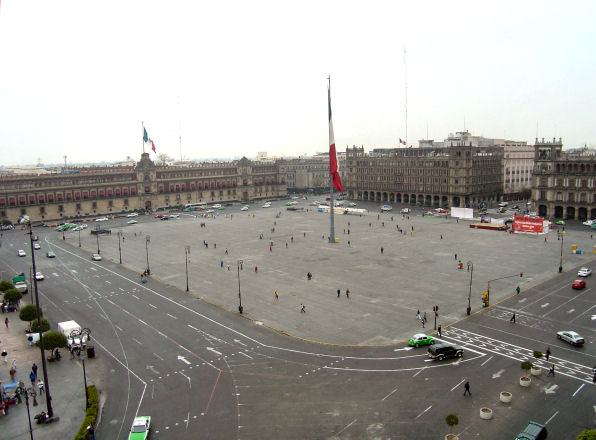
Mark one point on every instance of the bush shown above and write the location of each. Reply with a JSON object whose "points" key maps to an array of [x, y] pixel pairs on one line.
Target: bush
{"points": [[537, 354], [588, 434], [526, 366], [5, 285], [45, 326], [53, 339], [29, 313], [12, 296], [451, 420], [91, 413]]}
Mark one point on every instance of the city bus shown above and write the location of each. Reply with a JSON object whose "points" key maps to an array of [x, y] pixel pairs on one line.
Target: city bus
{"points": [[195, 206]]}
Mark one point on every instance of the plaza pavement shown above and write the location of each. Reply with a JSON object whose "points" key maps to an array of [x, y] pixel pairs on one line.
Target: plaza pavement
{"points": [[416, 270]]}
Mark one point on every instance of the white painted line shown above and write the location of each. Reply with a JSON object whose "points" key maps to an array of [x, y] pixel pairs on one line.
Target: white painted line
{"points": [[118, 328], [578, 390], [389, 394], [135, 297], [137, 341], [108, 282], [423, 412], [214, 351], [238, 342], [73, 271], [545, 305], [92, 268], [571, 311], [189, 385], [245, 355], [121, 289], [183, 359], [158, 356], [462, 381], [419, 371], [151, 305], [194, 328], [172, 316], [346, 427], [482, 365], [552, 417]]}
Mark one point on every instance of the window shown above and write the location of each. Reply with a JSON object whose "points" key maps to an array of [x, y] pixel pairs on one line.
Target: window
{"points": [[94, 205]]}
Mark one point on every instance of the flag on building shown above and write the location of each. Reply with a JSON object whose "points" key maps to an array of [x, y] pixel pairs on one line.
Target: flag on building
{"points": [[402, 142], [153, 146], [147, 139], [333, 164]]}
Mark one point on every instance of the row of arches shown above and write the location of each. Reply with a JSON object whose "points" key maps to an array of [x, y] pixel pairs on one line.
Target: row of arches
{"points": [[567, 213]]}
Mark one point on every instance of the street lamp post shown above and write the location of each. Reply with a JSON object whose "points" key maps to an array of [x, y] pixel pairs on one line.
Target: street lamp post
{"points": [[85, 383], [63, 236], [470, 265], [25, 220], [147, 241], [97, 237], [186, 254], [119, 248], [561, 260], [79, 238], [22, 391], [240, 309], [521, 274]]}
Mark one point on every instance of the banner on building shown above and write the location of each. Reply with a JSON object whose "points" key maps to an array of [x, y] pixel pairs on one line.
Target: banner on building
{"points": [[521, 223]]}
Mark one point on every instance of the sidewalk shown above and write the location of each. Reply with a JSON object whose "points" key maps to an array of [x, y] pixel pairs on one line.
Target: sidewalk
{"points": [[65, 380]]}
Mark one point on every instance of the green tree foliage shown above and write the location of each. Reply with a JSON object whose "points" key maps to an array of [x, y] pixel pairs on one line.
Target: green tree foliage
{"points": [[537, 354], [45, 325], [29, 313], [526, 366], [53, 339], [5, 285], [451, 420], [12, 296], [588, 434]]}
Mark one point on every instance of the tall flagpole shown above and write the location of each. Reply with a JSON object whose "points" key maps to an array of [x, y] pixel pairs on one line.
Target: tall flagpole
{"points": [[143, 136], [331, 140]]}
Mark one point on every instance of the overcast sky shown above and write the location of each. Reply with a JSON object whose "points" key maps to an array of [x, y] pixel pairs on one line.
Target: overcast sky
{"points": [[77, 78]]}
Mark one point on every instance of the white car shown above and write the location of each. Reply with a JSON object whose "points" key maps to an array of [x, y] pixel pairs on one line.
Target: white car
{"points": [[244, 208], [21, 253], [39, 276], [267, 205], [584, 272], [174, 215], [133, 214], [101, 219], [36, 246], [131, 222], [572, 337], [405, 211], [96, 257], [216, 206], [209, 211], [83, 226], [386, 208], [589, 222]]}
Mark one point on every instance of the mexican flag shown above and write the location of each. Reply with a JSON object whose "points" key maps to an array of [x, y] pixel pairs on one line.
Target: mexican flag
{"points": [[333, 164], [147, 139]]}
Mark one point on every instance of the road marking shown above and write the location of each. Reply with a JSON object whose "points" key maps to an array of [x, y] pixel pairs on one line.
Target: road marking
{"points": [[187, 419], [482, 365], [118, 328], [152, 368], [121, 289], [551, 389], [523, 300], [158, 356], [214, 350], [245, 355], [189, 384], [194, 328], [578, 390], [419, 371], [545, 305], [134, 296], [73, 271], [404, 349], [183, 359], [108, 281], [462, 381], [137, 341], [347, 426], [151, 305], [172, 316], [238, 342], [423, 412], [389, 394], [91, 268], [571, 311], [55, 274], [498, 374], [552, 417]]}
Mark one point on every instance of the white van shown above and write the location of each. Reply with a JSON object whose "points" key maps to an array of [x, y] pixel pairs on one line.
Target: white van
{"points": [[503, 204]]}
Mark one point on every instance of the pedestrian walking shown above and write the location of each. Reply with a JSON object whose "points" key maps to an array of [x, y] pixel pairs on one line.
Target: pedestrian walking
{"points": [[228, 266], [40, 386], [381, 251], [338, 292], [422, 321], [551, 371], [276, 295], [292, 239], [221, 264], [349, 243], [6, 322], [418, 315], [517, 289], [455, 256], [467, 388], [5, 356], [256, 269], [439, 330], [547, 353], [348, 293], [512, 318], [32, 378], [91, 432], [544, 240], [226, 252], [286, 244], [424, 316], [302, 308], [34, 368], [441, 236]]}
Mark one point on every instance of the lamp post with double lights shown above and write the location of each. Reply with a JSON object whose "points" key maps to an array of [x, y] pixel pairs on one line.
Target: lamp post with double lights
{"points": [[119, 247], [147, 241], [240, 309], [186, 254], [521, 274], [26, 392], [79, 238], [25, 221], [561, 260], [471, 270], [97, 237]]}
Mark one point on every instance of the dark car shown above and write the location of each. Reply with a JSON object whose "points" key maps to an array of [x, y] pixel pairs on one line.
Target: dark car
{"points": [[443, 351], [534, 431]]}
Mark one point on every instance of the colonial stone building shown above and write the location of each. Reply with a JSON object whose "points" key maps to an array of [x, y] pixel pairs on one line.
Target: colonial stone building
{"points": [[564, 184], [459, 174], [103, 190], [311, 173]]}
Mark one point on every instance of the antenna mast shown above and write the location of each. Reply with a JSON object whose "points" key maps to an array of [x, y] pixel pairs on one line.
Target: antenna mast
{"points": [[406, 91], [179, 129]]}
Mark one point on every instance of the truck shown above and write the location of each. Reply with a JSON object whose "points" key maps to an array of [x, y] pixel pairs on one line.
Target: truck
{"points": [[75, 337]]}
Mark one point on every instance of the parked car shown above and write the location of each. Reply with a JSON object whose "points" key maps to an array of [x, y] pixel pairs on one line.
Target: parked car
{"points": [[36, 246], [501, 210], [560, 222], [102, 219], [442, 351], [133, 214], [244, 208], [131, 222], [578, 284], [589, 222], [584, 272], [570, 336], [421, 339], [158, 216], [140, 428], [96, 257], [39, 276], [50, 254], [441, 211], [386, 208], [21, 253], [534, 431]]}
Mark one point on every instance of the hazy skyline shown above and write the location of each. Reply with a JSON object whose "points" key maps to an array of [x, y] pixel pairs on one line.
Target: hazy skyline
{"points": [[78, 78]]}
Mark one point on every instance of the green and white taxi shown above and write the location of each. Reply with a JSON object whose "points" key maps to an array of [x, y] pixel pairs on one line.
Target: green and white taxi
{"points": [[140, 428], [421, 339]]}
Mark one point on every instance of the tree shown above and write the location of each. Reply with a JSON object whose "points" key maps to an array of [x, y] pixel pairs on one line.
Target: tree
{"points": [[29, 313], [526, 366], [5, 285], [587, 434], [52, 340], [451, 420], [45, 326], [12, 296], [537, 354], [164, 158]]}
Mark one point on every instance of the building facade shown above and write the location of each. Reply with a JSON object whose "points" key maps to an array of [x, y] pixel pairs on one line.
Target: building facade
{"points": [[104, 190], [564, 183], [311, 173], [518, 164], [460, 175]]}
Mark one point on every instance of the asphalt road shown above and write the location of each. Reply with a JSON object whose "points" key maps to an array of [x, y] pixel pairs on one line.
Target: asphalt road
{"points": [[203, 372]]}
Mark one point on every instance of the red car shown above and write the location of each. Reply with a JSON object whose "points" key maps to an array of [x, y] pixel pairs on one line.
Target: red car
{"points": [[159, 216], [578, 284]]}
